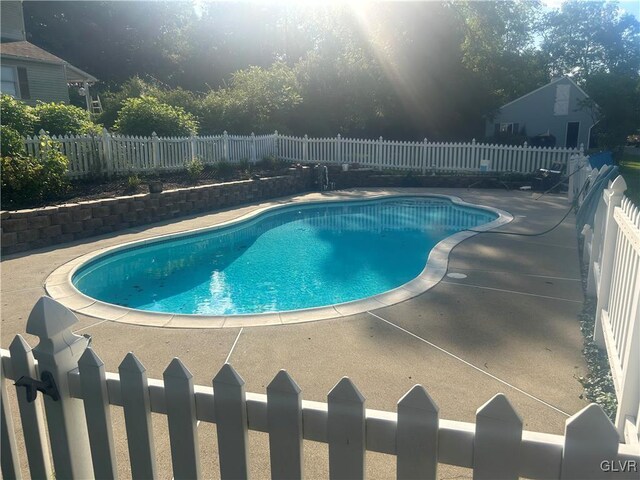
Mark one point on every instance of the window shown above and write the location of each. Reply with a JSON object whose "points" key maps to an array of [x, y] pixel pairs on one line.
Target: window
{"points": [[15, 82], [507, 128], [10, 81]]}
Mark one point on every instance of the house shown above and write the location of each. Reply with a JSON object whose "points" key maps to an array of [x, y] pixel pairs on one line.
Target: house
{"points": [[552, 110], [30, 73]]}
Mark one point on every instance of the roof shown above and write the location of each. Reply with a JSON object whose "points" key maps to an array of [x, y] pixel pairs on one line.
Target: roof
{"points": [[24, 49], [75, 75], [28, 51], [545, 86]]}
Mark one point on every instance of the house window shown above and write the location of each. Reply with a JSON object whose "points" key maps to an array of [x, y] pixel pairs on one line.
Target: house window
{"points": [[507, 128], [10, 82], [15, 82]]}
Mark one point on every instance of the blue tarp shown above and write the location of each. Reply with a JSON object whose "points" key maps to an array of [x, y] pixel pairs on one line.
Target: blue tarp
{"points": [[598, 160], [588, 208]]}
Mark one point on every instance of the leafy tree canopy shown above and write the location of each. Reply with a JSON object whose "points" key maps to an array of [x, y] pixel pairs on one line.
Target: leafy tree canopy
{"points": [[404, 70]]}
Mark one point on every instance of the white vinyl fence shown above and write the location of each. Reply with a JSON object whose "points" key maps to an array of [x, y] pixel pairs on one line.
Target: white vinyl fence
{"points": [[109, 154], [82, 444], [612, 250]]}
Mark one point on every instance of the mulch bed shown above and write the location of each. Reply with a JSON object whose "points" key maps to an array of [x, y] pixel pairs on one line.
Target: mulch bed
{"points": [[85, 190]]}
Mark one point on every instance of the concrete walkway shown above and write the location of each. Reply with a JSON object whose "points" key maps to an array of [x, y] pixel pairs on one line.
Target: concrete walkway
{"points": [[509, 325]]}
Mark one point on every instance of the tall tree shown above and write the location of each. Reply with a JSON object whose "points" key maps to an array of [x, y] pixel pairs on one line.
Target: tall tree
{"points": [[111, 40], [585, 38], [499, 46]]}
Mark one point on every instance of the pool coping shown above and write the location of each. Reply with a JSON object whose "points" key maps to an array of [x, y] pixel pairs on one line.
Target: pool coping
{"points": [[59, 286]]}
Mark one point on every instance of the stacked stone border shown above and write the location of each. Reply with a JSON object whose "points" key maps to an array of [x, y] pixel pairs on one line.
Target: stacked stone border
{"points": [[23, 230]]}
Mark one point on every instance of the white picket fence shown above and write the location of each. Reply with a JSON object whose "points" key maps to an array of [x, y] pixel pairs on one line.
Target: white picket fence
{"points": [[115, 154], [81, 440], [579, 172], [612, 250]]}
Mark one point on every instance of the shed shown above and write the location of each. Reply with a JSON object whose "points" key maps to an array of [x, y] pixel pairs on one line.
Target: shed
{"points": [[555, 109]]}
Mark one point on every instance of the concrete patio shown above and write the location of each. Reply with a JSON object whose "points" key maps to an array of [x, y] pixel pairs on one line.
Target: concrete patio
{"points": [[509, 326]]}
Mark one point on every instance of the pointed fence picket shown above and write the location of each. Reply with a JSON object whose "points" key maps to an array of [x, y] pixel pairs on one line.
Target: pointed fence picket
{"points": [[98, 414], [346, 431], [494, 447], [9, 461], [231, 423], [417, 436], [31, 413], [181, 414], [284, 416], [137, 417]]}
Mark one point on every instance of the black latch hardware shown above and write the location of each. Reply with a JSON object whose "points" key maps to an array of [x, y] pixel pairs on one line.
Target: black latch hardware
{"points": [[47, 386]]}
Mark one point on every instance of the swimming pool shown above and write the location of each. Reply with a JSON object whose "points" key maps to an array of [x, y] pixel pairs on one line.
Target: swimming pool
{"points": [[301, 256]]}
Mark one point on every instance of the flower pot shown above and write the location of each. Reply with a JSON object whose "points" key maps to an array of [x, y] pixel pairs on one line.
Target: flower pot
{"points": [[155, 186]]}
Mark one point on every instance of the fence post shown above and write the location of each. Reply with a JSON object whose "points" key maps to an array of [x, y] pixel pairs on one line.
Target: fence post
{"points": [[423, 162], [192, 146], [338, 149], [155, 150], [58, 353], [613, 198], [225, 146], [254, 156], [571, 169], [475, 162], [379, 153], [106, 150], [305, 149], [276, 150]]}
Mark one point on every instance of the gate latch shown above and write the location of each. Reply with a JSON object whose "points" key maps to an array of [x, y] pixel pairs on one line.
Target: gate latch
{"points": [[47, 386]]}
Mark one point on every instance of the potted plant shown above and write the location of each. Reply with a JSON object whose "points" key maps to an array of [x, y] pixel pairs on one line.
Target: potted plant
{"points": [[155, 184]]}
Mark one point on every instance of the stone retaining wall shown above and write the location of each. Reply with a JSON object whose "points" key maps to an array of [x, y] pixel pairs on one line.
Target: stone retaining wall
{"points": [[23, 230]]}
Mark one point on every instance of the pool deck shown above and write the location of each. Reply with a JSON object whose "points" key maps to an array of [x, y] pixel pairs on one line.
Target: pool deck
{"points": [[509, 326]]}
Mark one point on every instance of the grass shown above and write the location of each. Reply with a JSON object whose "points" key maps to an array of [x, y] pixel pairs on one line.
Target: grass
{"points": [[630, 170]]}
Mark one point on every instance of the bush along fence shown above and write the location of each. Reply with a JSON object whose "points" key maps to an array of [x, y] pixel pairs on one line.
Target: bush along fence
{"points": [[110, 154], [612, 252], [79, 395]]}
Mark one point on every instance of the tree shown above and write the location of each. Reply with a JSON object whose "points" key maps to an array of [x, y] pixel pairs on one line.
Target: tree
{"points": [[257, 100], [615, 104], [586, 38], [111, 40], [499, 46]]}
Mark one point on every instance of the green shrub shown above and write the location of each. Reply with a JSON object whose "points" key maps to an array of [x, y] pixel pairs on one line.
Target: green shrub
{"points": [[17, 115], [224, 169], [62, 119], [28, 180], [195, 167], [11, 142], [269, 163], [133, 182], [145, 115], [244, 165], [113, 100]]}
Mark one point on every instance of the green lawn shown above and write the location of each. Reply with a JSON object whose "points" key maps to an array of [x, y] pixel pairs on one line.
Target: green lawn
{"points": [[630, 170]]}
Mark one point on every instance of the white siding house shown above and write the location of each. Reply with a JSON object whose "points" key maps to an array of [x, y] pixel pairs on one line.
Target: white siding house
{"points": [[30, 73]]}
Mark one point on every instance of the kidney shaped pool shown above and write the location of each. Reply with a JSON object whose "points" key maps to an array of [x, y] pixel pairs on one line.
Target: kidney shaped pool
{"points": [[295, 257]]}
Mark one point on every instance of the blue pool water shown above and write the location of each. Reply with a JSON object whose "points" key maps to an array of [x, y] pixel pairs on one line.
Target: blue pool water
{"points": [[290, 258]]}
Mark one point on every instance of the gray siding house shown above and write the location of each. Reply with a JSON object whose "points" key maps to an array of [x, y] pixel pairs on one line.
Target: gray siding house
{"points": [[30, 73], [553, 109]]}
